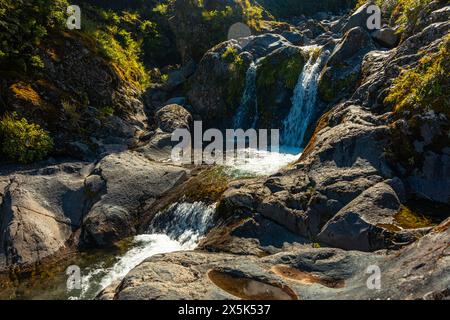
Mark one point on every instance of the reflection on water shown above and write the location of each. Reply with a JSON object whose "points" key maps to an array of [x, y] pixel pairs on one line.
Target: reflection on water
{"points": [[249, 289], [177, 228], [48, 282], [306, 278]]}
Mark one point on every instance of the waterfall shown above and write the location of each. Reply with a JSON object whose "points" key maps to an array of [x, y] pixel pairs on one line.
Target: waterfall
{"points": [[303, 102], [177, 228], [185, 222], [248, 101]]}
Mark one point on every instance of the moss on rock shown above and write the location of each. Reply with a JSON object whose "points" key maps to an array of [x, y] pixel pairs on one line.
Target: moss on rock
{"points": [[276, 79], [335, 82]]}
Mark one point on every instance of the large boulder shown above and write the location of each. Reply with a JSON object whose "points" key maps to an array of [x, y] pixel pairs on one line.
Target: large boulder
{"points": [[216, 86], [133, 185], [368, 223], [159, 144], [173, 117], [30, 232], [341, 74], [387, 37], [359, 18], [41, 209]]}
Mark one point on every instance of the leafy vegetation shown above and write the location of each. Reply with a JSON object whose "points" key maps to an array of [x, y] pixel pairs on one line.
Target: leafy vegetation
{"points": [[23, 25], [418, 90], [119, 39], [231, 56], [404, 13], [22, 141], [244, 10], [425, 86]]}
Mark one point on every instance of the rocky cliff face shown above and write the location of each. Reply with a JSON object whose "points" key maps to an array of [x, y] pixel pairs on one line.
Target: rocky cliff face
{"points": [[349, 190], [370, 188]]}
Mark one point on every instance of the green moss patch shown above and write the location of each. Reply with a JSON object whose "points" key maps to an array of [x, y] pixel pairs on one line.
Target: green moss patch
{"points": [[284, 66], [409, 219], [424, 87]]}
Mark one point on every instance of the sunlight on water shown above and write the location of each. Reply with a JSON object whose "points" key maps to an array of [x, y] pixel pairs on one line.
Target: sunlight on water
{"points": [[261, 162], [303, 102]]}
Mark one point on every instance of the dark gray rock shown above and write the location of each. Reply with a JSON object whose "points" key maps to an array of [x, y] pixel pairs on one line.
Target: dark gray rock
{"points": [[40, 210], [358, 18], [342, 71], [172, 117], [387, 37], [367, 223], [133, 183], [295, 38], [419, 271]]}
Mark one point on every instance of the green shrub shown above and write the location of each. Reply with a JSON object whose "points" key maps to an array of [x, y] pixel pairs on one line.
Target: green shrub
{"points": [[426, 86], [231, 55], [22, 141], [404, 13], [23, 24], [119, 38], [407, 12]]}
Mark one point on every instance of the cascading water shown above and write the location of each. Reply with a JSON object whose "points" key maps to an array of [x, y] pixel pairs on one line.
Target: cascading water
{"points": [[303, 102], [257, 162], [185, 222], [248, 101], [177, 228]]}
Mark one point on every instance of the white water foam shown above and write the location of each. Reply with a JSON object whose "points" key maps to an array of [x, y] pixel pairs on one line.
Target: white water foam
{"points": [[303, 102], [180, 227], [261, 162]]}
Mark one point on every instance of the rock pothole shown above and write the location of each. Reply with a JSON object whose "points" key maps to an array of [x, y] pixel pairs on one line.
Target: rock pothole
{"points": [[306, 278], [250, 289]]}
